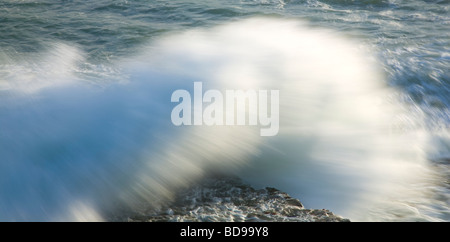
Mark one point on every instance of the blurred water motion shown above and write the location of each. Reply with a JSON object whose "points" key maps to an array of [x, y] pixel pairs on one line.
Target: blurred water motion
{"points": [[74, 150]]}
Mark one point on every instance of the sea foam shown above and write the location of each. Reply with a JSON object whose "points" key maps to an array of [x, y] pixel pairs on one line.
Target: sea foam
{"points": [[71, 150]]}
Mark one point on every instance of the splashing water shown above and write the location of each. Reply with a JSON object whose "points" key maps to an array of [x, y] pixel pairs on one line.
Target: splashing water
{"points": [[74, 150]]}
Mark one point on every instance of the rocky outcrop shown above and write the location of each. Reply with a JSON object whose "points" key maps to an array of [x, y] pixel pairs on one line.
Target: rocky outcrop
{"points": [[230, 200]]}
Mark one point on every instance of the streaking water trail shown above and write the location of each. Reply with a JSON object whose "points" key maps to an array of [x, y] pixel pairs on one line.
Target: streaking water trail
{"points": [[71, 150]]}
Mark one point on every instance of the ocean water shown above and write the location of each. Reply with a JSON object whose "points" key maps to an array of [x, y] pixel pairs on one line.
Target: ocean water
{"points": [[85, 89]]}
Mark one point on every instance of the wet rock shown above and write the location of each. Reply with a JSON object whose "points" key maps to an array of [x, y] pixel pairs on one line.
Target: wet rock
{"points": [[228, 199]]}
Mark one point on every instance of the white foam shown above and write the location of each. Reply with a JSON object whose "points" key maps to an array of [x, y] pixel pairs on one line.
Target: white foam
{"points": [[72, 143]]}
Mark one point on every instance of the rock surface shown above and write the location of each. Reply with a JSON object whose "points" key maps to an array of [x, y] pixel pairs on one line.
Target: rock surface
{"points": [[230, 200]]}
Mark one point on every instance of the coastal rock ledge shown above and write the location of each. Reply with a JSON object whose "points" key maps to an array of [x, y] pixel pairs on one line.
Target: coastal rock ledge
{"points": [[228, 199]]}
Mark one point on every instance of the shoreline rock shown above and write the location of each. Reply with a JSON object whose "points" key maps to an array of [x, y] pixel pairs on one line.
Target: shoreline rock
{"points": [[228, 199]]}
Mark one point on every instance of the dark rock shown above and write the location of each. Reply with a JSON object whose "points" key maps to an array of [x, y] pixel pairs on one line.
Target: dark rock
{"points": [[228, 199]]}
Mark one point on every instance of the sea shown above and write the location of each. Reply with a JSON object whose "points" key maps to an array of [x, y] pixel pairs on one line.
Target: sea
{"points": [[86, 98]]}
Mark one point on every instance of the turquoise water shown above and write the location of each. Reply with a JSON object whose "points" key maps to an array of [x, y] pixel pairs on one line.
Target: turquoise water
{"points": [[408, 35], [85, 94]]}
